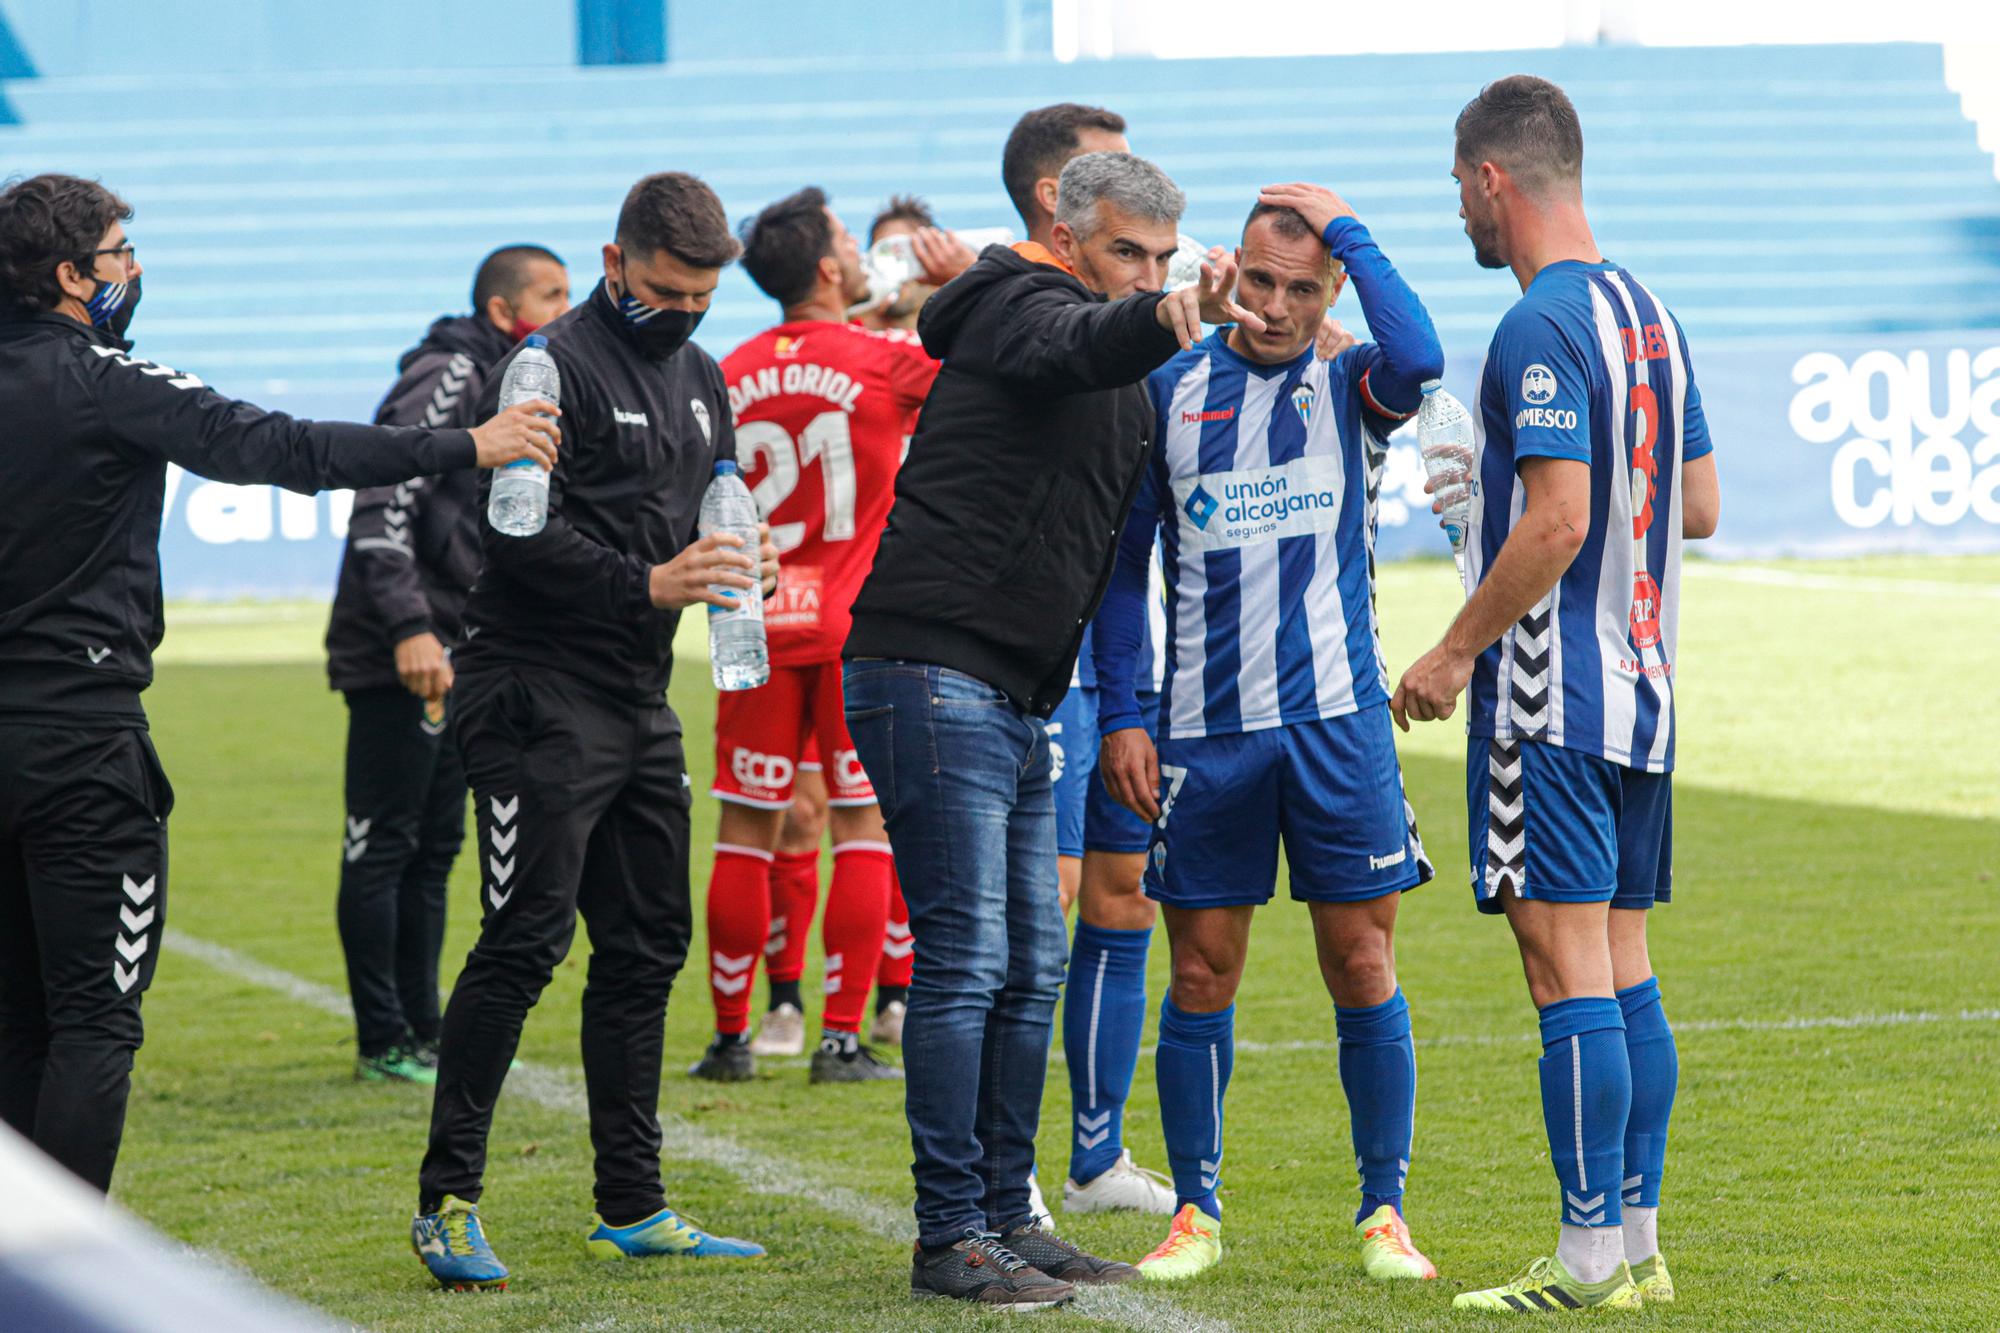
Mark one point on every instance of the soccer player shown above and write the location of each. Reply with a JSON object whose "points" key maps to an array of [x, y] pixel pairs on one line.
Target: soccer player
{"points": [[91, 430], [821, 409], [412, 552], [795, 863], [578, 779], [1274, 719], [1596, 463]]}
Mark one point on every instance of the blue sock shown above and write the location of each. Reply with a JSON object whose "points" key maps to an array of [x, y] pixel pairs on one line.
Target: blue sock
{"points": [[1656, 1069], [1378, 1072], [1586, 1098], [1196, 1052], [1102, 1014]]}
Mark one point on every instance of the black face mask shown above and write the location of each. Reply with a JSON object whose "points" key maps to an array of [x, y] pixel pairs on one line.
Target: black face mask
{"points": [[112, 307], [659, 332]]}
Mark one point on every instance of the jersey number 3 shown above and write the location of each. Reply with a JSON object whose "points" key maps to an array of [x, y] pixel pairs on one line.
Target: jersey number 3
{"points": [[825, 438]]}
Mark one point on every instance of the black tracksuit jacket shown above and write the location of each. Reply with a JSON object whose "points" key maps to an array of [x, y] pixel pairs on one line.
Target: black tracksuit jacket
{"points": [[640, 441], [413, 548], [1027, 456], [90, 431]]}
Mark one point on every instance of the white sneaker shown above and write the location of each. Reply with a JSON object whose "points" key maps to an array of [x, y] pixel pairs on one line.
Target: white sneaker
{"points": [[887, 1029], [783, 1032], [1038, 1207], [1124, 1188]]}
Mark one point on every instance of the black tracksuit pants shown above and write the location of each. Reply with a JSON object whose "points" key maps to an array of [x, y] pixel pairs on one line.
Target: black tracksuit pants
{"points": [[83, 898], [582, 805], [405, 821]]}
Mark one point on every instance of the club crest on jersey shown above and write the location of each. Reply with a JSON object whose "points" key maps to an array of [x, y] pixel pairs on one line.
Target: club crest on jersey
{"points": [[1302, 403], [700, 410], [1538, 384]]}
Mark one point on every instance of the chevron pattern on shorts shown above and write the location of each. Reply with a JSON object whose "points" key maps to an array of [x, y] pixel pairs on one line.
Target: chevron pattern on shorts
{"points": [[1506, 819]]}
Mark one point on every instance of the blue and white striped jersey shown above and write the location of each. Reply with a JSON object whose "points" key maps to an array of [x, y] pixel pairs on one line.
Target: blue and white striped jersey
{"points": [[1263, 483], [1589, 365]]}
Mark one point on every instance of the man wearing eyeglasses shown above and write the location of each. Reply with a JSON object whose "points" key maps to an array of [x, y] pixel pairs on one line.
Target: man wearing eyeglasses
{"points": [[83, 800]]}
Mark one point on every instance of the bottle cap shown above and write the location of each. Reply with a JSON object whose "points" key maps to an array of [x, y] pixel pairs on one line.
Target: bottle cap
{"points": [[725, 467], [534, 340], [1431, 386]]}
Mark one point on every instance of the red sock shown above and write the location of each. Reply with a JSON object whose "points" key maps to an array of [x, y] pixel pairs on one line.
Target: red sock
{"points": [[739, 908], [857, 909], [897, 947], [794, 899]]}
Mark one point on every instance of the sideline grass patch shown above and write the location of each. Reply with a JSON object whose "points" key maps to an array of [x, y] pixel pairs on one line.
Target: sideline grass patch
{"points": [[1837, 851]]}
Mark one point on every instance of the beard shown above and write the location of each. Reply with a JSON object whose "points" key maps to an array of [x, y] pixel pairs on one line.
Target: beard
{"points": [[1485, 238]]}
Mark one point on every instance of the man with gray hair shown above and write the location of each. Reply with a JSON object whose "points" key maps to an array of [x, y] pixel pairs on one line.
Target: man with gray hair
{"points": [[1026, 458]]}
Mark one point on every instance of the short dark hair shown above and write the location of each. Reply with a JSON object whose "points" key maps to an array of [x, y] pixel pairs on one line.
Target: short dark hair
{"points": [[1041, 142], [1287, 222], [901, 208], [505, 272], [1292, 226], [1527, 125], [45, 220], [782, 245], [678, 213]]}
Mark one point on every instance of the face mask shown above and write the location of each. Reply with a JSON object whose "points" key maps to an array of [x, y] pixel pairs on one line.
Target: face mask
{"points": [[659, 332], [111, 308]]}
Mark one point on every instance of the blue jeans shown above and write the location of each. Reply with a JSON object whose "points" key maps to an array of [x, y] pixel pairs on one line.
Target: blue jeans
{"points": [[975, 842]]}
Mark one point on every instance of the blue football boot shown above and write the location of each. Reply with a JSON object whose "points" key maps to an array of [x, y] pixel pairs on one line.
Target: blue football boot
{"points": [[665, 1232], [452, 1245]]}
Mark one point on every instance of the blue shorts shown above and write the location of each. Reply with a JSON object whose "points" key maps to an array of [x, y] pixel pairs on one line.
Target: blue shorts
{"points": [[1086, 816], [1107, 825], [1566, 826], [1330, 790], [1072, 732]]}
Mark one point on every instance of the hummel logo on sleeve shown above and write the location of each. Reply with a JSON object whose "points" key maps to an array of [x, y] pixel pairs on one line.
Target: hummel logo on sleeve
{"points": [[153, 368]]}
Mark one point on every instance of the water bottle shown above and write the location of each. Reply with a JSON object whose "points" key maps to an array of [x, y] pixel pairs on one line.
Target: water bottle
{"points": [[1444, 436], [736, 655], [519, 503], [1184, 269], [892, 261]]}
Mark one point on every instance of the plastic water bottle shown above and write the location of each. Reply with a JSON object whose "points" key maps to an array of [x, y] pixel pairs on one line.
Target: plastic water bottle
{"points": [[1184, 269], [737, 658], [519, 503], [892, 261], [1444, 435]]}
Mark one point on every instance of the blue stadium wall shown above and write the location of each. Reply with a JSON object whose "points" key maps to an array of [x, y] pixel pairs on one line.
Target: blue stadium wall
{"points": [[315, 182]]}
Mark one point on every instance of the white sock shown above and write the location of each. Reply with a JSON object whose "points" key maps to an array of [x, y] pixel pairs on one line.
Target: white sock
{"points": [[1642, 1233], [1591, 1254]]}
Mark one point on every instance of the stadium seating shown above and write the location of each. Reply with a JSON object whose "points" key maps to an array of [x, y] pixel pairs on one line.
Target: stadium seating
{"points": [[300, 229]]}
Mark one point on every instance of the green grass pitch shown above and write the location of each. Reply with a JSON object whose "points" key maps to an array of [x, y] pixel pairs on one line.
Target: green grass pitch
{"points": [[1830, 963]]}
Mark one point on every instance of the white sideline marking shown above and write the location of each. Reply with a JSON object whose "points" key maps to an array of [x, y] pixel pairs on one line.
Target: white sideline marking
{"points": [[1787, 578], [1809, 1023], [761, 1173]]}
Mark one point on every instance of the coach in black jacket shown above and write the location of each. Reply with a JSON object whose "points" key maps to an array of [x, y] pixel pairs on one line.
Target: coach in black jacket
{"points": [[83, 802], [579, 783], [1025, 460], [412, 552]]}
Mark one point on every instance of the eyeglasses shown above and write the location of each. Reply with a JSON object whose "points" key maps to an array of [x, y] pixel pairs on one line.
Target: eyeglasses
{"points": [[128, 252]]}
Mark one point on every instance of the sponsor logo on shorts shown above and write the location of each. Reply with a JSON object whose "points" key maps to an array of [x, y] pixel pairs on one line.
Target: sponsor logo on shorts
{"points": [[1384, 862], [848, 775], [762, 772]]}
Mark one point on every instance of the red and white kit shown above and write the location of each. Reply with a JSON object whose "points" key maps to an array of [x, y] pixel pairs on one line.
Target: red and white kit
{"points": [[823, 414]]}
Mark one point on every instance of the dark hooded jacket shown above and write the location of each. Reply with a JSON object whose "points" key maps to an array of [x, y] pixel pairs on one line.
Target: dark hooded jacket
{"points": [[413, 548], [90, 432], [1026, 458]]}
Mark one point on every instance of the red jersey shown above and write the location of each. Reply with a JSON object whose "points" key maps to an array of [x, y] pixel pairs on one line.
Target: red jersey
{"points": [[823, 414]]}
